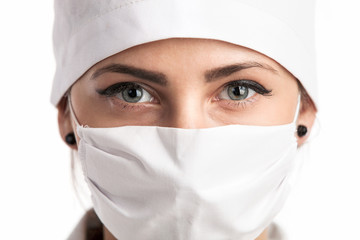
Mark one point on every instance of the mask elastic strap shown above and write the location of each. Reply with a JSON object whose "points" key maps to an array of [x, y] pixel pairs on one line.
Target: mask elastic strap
{"points": [[297, 112], [71, 110]]}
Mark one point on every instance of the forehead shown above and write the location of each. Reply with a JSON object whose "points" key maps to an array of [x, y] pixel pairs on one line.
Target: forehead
{"points": [[187, 52]]}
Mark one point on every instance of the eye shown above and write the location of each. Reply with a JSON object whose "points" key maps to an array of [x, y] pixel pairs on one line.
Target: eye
{"points": [[241, 90], [236, 93], [134, 94], [128, 92]]}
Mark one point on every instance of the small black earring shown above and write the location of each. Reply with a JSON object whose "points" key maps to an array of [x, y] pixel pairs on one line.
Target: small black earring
{"points": [[70, 138], [301, 130]]}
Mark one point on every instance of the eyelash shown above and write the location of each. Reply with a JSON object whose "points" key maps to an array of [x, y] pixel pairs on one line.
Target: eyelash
{"points": [[117, 88], [256, 87], [252, 85]]}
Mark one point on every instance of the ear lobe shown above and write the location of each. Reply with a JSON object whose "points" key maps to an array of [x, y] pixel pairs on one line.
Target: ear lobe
{"points": [[64, 121], [306, 118]]}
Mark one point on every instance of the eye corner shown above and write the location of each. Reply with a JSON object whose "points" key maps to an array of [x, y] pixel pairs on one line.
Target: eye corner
{"points": [[268, 93], [101, 91]]}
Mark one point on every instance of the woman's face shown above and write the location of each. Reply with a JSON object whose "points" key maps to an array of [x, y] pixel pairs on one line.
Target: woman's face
{"points": [[185, 83]]}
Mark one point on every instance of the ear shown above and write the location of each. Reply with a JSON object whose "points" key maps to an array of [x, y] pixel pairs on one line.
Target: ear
{"points": [[64, 121], [306, 118]]}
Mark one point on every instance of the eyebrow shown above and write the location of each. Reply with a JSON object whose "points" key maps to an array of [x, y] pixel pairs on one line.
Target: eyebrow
{"points": [[161, 79], [152, 76], [225, 71]]}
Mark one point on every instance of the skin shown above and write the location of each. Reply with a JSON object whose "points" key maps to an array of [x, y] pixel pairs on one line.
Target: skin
{"points": [[189, 99]]}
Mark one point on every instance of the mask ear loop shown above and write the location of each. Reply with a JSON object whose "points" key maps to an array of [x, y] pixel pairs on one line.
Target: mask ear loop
{"points": [[72, 113], [297, 111], [80, 191]]}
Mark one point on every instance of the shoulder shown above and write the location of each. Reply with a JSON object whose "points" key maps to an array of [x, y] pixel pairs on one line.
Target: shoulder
{"points": [[276, 233], [88, 228]]}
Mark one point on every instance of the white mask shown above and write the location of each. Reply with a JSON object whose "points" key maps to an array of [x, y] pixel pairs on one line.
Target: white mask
{"points": [[158, 183]]}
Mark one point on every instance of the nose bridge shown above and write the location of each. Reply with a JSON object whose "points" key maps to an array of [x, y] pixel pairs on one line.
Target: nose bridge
{"points": [[188, 113]]}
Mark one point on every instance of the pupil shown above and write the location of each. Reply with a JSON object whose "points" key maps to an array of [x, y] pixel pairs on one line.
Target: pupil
{"points": [[132, 93], [238, 92]]}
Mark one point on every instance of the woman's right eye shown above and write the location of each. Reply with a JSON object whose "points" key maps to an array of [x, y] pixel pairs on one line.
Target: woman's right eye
{"points": [[128, 92]]}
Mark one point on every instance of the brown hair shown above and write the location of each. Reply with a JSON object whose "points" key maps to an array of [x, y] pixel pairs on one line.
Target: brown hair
{"points": [[306, 101]]}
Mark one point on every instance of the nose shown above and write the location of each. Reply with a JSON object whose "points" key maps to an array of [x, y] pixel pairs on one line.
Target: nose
{"points": [[189, 114]]}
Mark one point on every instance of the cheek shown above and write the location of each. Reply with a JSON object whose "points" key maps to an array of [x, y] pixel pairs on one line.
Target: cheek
{"points": [[266, 111]]}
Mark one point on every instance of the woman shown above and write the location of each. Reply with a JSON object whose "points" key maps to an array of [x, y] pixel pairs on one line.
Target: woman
{"points": [[187, 115]]}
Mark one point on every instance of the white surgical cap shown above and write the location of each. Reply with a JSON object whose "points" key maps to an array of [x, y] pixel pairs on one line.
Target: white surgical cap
{"points": [[88, 31]]}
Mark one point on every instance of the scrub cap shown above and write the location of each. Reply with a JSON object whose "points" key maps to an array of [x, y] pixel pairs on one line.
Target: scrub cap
{"points": [[88, 31]]}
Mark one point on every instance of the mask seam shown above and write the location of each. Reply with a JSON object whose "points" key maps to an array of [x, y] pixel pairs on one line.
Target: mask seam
{"points": [[83, 157], [126, 4]]}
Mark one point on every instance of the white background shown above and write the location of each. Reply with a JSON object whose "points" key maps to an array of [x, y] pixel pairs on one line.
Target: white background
{"points": [[37, 200]]}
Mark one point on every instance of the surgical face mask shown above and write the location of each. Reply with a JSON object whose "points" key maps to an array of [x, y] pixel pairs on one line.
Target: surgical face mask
{"points": [[158, 183]]}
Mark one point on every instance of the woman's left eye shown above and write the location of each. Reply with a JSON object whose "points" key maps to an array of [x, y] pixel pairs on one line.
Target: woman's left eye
{"points": [[241, 90], [236, 93], [128, 92]]}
